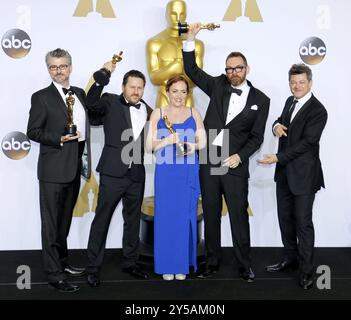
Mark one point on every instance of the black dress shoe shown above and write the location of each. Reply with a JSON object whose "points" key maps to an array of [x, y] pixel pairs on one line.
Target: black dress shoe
{"points": [[306, 281], [74, 271], [247, 275], [282, 266], [208, 271], [63, 286], [93, 280], [136, 272]]}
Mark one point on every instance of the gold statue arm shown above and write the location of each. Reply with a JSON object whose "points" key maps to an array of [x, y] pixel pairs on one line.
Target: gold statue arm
{"points": [[160, 74], [199, 53]]}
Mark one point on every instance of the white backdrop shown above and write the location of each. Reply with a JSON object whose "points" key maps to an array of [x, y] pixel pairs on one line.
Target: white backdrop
{"points": [[271, 47]]}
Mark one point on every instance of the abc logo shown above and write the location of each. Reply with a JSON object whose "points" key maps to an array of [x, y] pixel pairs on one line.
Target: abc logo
{"points": [[312, 50], [16, 43], [15, 145]]}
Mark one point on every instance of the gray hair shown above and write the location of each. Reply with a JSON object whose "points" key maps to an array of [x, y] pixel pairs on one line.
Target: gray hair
{"points": [[58, 53]]}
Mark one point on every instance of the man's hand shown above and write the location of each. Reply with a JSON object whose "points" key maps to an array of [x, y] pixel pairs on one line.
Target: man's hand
{"points": [[280, 130], [110, 66], [232, 161], [268, 159], [194, 28], [69, 137]]}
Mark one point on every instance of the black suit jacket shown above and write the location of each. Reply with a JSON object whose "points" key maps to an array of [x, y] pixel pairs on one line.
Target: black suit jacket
{"points": [[47, 119], [246, 130], [299, 159], [112, 111]]}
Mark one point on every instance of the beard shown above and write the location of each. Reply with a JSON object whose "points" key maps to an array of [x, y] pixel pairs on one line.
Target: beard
{"points": [[236, 80]]}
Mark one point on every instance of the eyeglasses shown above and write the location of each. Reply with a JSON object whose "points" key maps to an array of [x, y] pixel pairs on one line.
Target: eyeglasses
{"points": [[237, 69], [61, 67]]}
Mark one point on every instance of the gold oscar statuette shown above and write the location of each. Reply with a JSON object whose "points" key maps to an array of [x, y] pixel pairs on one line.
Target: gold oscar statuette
{"points": [[102, 76], [184, 27], [181, 147], [70, 128]]}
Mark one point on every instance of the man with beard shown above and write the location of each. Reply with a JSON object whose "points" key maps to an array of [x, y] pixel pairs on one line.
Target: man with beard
{"points": [[237, 113], [121, 168]]}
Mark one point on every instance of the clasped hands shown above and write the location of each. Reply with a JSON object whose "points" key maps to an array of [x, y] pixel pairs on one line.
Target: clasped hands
{"points": [[173, 138], [69, 137], [232, 162]]}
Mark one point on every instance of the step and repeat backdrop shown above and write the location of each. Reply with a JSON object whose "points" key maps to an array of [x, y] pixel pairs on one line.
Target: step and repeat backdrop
{"points": [[272, 34]]}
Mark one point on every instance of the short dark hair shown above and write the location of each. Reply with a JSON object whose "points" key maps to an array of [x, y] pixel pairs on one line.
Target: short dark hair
{"points": [[135, 74], [236, 54], [176, 79], [58, 53], [300, 68]]}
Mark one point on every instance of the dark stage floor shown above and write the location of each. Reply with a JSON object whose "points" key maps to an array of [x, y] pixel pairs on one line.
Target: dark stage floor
{"points": [[225, 285]]}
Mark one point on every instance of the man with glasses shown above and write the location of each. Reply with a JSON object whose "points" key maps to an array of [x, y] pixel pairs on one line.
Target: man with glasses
{"points": [[237, 113], [59, 164]]}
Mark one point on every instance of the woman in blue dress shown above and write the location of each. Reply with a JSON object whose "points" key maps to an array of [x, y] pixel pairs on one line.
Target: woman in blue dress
{"points": [[176, 181]]}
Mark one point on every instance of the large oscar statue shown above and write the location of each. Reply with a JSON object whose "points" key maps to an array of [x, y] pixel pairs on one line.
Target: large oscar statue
{"points": [[102, 76], [70, 128], [164, 53]]}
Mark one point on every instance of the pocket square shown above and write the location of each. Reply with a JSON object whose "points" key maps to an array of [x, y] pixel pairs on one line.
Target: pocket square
{"points": [[254, 107]]}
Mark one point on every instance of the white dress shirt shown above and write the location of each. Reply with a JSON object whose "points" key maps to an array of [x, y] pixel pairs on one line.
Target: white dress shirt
{"points": [[298, 106], [138, 118], [236, 105], [79, 117]]}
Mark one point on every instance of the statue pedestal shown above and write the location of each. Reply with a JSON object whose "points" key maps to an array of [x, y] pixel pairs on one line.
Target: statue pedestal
{"points": [[147, 230]]}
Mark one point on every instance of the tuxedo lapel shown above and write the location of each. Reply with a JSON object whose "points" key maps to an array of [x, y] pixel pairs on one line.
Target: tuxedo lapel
{"points": [[79, 96], [286, 109], [301, 110], [225, 104], [57, 99], [249, 102], [126, 112]]}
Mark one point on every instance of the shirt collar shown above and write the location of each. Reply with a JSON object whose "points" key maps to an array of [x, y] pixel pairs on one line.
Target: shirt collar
{"points": [[244, 86], [304, 99]]}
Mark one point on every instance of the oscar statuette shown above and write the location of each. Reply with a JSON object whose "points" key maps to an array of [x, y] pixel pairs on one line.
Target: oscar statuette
{"points": [[181, 147], [102, 76], [184, 27], [70, 128]]}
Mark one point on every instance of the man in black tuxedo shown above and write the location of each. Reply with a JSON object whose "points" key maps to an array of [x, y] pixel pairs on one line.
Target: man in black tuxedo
{"points": [[121, 168], [237, 113], [59, 164], [298, 173]]}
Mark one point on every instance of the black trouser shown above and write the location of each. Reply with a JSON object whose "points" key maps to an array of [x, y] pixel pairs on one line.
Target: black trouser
{"points": [[296, 225], [111, 191], [57, 201], [235, 190]]}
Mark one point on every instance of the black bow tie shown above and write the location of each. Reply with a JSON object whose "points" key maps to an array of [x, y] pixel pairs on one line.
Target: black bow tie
{"points": [[137, 105], [65, 91], [235, 90]]}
